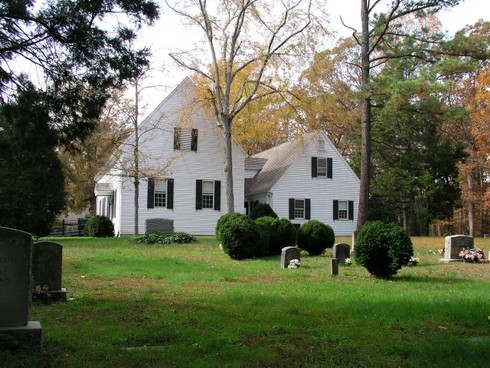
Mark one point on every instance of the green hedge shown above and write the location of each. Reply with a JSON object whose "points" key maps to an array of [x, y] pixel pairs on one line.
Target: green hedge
{"points": [[383, 248], [315, 236], [99, 227]]}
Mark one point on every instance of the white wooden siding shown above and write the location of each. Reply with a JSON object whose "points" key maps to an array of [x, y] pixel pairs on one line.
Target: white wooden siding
{"points": [[298, 183], [185, 167]]}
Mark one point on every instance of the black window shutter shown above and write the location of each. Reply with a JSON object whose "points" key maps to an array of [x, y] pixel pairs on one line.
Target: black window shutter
{"points": [[351, 210], [177, 132], [314, 165], [198, 194], [291, 208], [170, 193], [151, 193], [194, 140], [335, 210], [329, 168], [307, 209], [217, 195]]}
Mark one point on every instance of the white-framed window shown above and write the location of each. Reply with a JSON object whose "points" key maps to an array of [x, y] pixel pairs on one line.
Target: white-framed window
{"points": [[299, 208], [160, 193], [321, 168], [207, 194], [343, 210]]}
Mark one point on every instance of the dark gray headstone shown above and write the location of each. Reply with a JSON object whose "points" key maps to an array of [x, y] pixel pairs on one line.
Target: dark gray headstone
{"points": [[288, 254], [341, 251], [16, 331], [334, 266], [454, 244], [47, 263], [159, 224], [15, 277]]}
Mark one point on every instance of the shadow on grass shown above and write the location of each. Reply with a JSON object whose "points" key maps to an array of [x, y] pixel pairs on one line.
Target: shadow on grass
{"points": [[246, 328], [428, 279]]}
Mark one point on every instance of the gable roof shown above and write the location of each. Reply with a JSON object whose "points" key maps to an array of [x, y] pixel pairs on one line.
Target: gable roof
{"points": [[279, 159]]}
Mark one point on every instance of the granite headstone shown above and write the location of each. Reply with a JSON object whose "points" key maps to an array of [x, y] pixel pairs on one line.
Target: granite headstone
{"points": [[454, 244], [341, 251], [288, 254], [47, 260], [16, 331]]}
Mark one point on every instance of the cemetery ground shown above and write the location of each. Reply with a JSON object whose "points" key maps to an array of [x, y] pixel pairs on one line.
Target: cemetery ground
{"points": [[192, 306]]}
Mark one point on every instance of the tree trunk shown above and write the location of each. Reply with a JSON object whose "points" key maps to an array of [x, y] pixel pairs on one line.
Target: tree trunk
{"points": [[136, 163], [471, 205], [365, 120], [228, 166]]}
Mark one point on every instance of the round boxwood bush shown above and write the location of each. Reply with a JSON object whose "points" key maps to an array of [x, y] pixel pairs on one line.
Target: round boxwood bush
{"points": [[99, 227], [268, 226], [383, 248], [284, 236], [315, 236], [241, 237], [222, 221], [262, 210]]}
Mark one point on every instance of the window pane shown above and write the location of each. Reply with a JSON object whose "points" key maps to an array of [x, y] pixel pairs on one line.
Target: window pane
{"points": [[343, 210], [322, 167], [208, 194], [299, 208], [160, 193]]}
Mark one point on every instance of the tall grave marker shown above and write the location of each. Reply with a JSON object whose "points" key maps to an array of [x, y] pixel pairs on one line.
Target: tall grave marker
{"points": [[16, 331], [454, 244]]}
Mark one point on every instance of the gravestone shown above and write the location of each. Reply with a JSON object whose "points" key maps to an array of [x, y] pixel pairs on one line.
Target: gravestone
{"points": [[341, 251], [287, 254], [334, 266], [46, 268], [454, 244], [16, 331], [159, 224]]}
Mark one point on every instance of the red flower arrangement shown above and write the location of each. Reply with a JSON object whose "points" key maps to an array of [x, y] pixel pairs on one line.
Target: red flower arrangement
{"points": [[472, 255]]}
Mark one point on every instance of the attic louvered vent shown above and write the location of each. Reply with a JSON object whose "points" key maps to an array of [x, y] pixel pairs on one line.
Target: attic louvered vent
{"points": [[185, 139], [321, 145]]}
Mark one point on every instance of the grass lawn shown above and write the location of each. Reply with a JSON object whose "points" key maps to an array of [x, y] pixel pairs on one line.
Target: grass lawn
{"points": [[192, 306]]}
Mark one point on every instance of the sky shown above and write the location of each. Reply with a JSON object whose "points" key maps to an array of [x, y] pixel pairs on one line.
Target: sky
{"points": [[169, 35]]}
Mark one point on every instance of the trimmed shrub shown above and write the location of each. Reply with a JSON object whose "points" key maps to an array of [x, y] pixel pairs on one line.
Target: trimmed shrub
{"points": [[241, 237], [278, 233], [284, 236], [262, 210], [315, 236], [222, 221], [99, 227], [383, 248], [268, 226], [159, 237]]}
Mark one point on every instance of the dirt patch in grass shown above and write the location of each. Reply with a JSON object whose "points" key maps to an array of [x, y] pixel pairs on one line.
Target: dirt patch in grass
{"points": [[114, 284]]}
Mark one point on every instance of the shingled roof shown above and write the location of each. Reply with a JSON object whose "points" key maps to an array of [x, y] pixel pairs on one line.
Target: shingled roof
{"points": [[279, 159]]}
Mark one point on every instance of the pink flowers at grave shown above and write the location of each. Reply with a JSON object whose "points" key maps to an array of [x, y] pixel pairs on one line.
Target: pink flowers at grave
{"points": [[472, 255]]}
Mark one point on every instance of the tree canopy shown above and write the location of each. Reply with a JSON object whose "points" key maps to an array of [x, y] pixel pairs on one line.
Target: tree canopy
{"points": [[31, 175], [80, 57]]}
